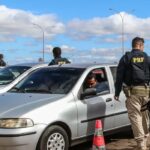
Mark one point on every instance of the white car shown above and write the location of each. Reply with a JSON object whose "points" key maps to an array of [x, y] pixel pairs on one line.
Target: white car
{"points": [[52, 108], [11, 75], [1, 67]]}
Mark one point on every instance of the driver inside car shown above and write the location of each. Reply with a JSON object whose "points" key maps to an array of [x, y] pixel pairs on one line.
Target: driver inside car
{"points": [[91, 82]]}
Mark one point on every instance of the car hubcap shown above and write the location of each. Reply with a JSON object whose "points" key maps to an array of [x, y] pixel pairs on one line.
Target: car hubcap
{"points": [[56, 142]]}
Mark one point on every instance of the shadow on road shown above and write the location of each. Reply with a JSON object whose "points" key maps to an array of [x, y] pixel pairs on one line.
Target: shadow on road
{"points": [[119, 141]]}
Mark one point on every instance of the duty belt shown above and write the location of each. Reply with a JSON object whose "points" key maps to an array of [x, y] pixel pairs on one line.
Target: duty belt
{"points": [[140, 90]]}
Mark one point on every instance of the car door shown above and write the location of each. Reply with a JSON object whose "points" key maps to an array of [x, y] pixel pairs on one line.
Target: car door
{"points": [[120, 111], [91, 108]]}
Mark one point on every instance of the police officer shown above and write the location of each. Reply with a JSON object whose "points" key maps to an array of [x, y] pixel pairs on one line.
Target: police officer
{"points": [[133, 74], [57, 57], [2, 62]]}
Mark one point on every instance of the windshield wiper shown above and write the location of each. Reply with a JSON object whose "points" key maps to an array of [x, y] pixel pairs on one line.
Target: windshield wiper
{"points": [[37, 90]]}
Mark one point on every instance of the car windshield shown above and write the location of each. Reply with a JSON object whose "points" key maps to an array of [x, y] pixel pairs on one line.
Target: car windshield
{"points": [[50, 80], [8, 74]]}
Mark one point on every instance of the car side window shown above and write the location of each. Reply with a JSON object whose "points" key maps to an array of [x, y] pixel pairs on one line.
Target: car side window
{"points": [[97, 79]]}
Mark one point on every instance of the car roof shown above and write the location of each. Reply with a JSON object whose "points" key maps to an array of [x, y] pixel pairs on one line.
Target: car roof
{"points": [[85, 65], [29, 64]]}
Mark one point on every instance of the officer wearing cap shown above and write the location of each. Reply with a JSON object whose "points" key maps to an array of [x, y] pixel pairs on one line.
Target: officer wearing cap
{"points": [[133, 74], [2, 62], [58, 60]]}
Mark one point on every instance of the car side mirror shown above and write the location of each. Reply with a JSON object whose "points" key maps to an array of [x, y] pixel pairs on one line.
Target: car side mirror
{"points": [[88, 92]]}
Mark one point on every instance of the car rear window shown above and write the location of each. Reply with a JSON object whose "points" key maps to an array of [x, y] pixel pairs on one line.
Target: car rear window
{"points": [[8, 74]]}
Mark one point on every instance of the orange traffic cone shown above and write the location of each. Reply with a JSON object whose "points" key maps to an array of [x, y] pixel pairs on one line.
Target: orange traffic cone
{"points": [[98, 141]]}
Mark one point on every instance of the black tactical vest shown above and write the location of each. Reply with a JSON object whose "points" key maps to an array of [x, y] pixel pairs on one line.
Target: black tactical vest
{"points": [[137, 68], [59, 61], [2, 63]]}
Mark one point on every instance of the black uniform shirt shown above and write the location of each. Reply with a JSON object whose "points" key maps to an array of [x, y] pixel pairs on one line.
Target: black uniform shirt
{"points": [[59, 61], [2, 63], [120, 75], [123, 74]]}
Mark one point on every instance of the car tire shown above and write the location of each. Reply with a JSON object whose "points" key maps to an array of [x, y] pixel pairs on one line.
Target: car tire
{"points": [[55, 137]]}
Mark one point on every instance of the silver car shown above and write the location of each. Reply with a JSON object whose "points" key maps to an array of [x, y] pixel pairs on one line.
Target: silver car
{"points": [[11, 75], [51, 109]]}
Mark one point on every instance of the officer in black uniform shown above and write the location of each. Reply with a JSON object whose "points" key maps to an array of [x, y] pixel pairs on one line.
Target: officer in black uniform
{"points": [[58, 60], [2, 62], [133, 73]]}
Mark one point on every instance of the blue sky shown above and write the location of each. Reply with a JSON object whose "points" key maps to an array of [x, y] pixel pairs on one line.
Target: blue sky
{"points": [[86, 30]]}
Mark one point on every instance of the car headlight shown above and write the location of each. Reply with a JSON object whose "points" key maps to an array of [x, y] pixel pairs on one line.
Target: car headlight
{"points": [[16, 123]]}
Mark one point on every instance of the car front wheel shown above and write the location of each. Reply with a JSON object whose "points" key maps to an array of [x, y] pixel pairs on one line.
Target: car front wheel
{"points": [[54, 138]]}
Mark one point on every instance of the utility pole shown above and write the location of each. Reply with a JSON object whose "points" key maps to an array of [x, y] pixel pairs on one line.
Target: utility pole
{"points": [[42, 37]]}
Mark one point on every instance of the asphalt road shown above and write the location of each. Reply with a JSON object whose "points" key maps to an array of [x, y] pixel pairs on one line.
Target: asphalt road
{"points": [[121, 141]]}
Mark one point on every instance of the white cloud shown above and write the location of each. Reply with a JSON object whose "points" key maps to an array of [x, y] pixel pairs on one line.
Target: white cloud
{"points": [[107, 54], [112, 25], [15, 22], [65, 48], [102, 55], [6, 38], [48, 48], [106, 51], [19, 60]]}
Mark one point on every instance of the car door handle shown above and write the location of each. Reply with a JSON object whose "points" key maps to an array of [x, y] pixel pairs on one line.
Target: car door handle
{"points": [[108, 99]]}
